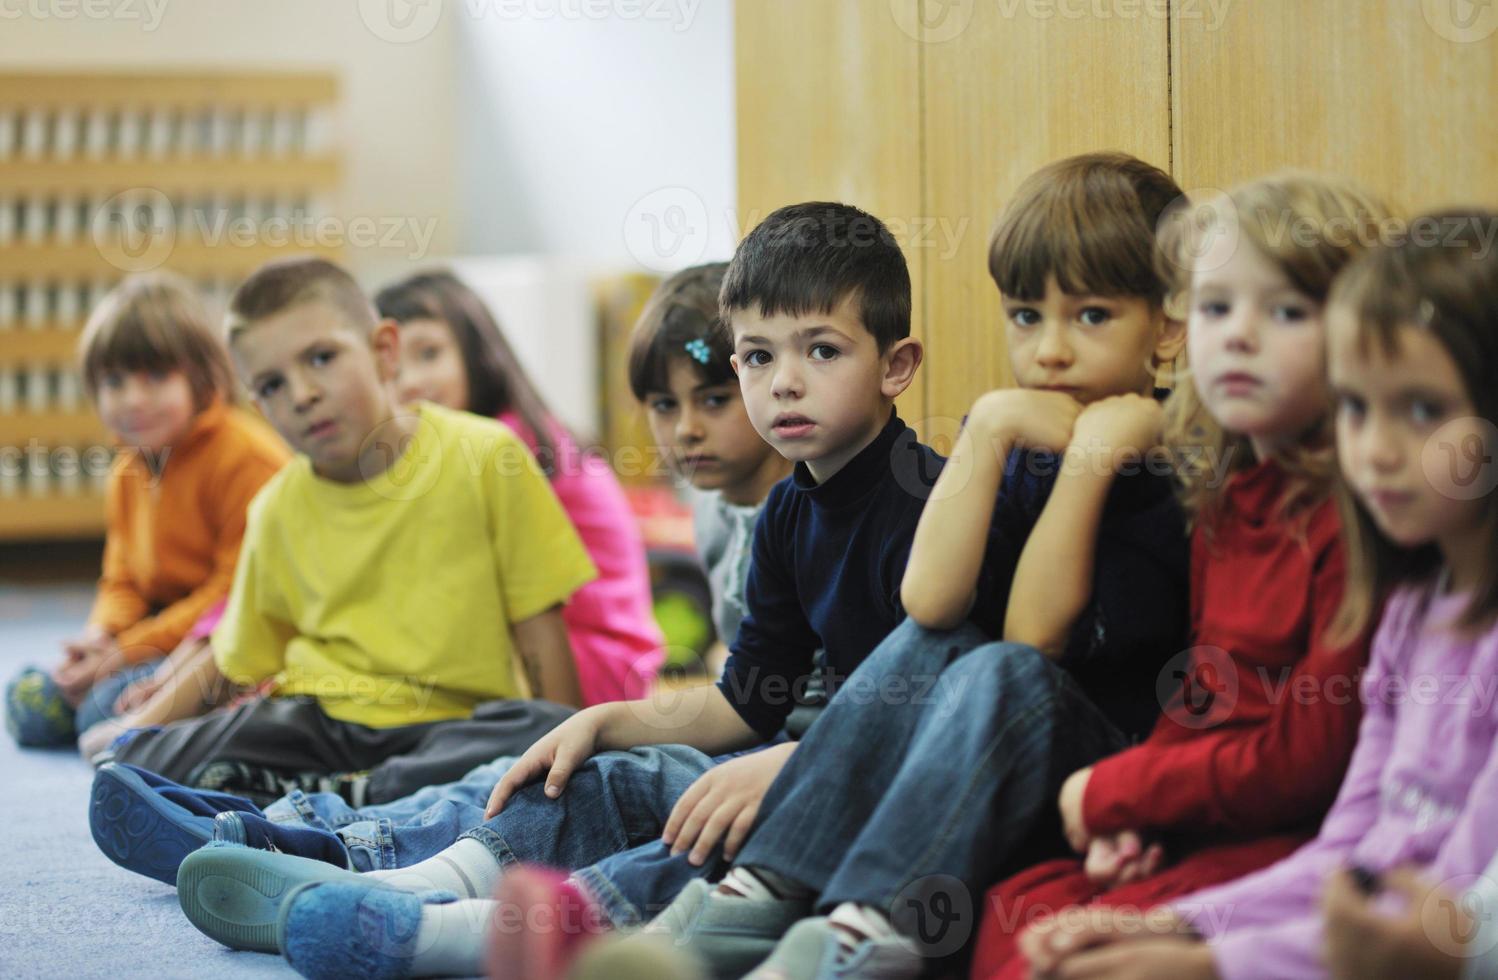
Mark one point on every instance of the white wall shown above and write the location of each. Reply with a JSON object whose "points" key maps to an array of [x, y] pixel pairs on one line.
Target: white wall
{"points": [[580, 134]]}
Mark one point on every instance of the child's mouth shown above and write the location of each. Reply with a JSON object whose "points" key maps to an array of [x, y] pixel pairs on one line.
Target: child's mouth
{"points": [[793, 426]]}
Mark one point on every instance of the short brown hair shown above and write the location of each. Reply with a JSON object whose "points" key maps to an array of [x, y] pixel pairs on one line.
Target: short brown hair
{"points": [[681, 321], [1088, 220], [280, 285], [155, 322]]}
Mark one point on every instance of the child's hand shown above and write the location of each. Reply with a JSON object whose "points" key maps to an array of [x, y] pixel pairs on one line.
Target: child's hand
{"points": [[1425, 940], [138, 693], [1070, 803], [92, 640], [1117, 425], [79, 673], [1051, 941], [1025, 418], [556, 755], [1120, 859], [725, 799]]}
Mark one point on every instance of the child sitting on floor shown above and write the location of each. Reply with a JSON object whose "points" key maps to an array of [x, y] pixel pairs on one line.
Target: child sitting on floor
{"points": [[189, 462]]}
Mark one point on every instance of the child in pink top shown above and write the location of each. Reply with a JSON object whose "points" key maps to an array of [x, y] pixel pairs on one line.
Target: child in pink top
{"points": [[453, 354]]}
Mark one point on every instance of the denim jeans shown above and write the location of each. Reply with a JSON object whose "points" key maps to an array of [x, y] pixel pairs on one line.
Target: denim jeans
{"points": [[606, 828], [98, 704], [402, 832], [940, 758]]}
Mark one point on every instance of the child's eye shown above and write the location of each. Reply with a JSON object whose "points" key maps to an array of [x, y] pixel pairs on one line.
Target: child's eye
{"points": [[429, 353], [823, 352], [662, 406], [716, 401], [1024, 316], [1287, 313], [321, 358], [157, 376], [1213, 308], [1095, 316], [1423, 411], [756, 358], [113, 380], [1352, 407], [267, 387]]}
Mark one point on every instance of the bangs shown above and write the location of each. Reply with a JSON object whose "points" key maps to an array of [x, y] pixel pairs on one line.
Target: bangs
{"points": [[155, 324], [678, 333], [1088, 221]]}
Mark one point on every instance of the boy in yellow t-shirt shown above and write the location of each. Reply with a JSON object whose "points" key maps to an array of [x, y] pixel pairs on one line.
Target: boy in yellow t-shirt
{"points": [[404, 569]]}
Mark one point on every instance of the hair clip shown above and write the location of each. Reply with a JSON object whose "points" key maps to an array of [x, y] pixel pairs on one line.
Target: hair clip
{"points": [[699, 351]]}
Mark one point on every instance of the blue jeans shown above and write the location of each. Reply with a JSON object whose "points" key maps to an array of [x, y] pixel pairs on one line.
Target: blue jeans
{"points": [[940, 758], [606, 827], [402, 832], [98, 704]]}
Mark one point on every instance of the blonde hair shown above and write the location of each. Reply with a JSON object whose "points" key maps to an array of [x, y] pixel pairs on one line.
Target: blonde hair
{"points": [[1310, 227], [155, 322]]}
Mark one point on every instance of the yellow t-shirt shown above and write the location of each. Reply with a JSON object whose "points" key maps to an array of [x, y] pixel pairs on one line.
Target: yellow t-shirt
{"points": [[391, 600]]}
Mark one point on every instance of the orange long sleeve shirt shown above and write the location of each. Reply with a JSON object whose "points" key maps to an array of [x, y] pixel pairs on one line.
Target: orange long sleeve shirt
{"points": [[172, 540]]}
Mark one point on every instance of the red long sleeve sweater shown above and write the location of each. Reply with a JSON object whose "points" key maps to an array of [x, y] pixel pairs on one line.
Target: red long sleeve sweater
{"points": [[1259, 736]]}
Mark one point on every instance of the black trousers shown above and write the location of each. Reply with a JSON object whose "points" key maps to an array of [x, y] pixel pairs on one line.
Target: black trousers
{"points": [[295, 739]]}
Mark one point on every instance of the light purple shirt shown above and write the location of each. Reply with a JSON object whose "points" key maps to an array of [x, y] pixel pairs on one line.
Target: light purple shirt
{"points": [[1421, 789]]}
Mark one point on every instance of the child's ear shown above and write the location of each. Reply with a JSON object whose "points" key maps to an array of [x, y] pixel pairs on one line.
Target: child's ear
{"points": [[900, 363], [733, 360], [1171, 340], [385, 343]]}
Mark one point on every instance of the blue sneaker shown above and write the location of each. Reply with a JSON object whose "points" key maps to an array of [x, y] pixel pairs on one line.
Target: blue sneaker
{"points": [[140, 829], [36, 715], [337, 931], [233, 894], [253, 830]]}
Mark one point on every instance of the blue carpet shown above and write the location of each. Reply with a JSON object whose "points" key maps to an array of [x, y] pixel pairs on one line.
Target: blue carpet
{"points": [[65, 910]]}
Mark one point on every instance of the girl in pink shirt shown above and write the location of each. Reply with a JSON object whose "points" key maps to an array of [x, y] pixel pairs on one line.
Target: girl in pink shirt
{"points": [[453, 354]]}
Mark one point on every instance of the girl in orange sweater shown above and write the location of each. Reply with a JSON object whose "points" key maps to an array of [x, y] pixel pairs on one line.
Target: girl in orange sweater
{"points": [[188, 462]]}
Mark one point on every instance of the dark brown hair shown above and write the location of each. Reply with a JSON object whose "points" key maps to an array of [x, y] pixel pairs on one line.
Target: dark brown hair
{"points": [[810, 258], [1088, 220], [280, 285], [156, 322], [1446, 285], [496, 380], [680, 322]]}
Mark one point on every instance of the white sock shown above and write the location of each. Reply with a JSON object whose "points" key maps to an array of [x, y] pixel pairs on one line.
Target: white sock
{"points": [[855, 923], [759, 885], [450, 942], [466, 868]]}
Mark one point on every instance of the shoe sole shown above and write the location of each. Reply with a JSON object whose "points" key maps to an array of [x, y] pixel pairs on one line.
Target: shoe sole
{"points": [[234, 895], [137, 829]]}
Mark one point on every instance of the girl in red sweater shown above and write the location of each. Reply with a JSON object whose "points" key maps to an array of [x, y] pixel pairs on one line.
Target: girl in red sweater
{"points": [[1261, 714]]}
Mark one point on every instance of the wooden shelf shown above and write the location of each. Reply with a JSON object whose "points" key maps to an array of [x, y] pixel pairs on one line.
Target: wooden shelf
{"points": [[255, 175], [182, 89], [81, 428], [187, 258], [34, 518], [51, 345]]}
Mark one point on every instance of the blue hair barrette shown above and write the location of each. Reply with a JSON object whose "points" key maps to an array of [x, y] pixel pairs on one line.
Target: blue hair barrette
{"points": [[699, 351]]}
